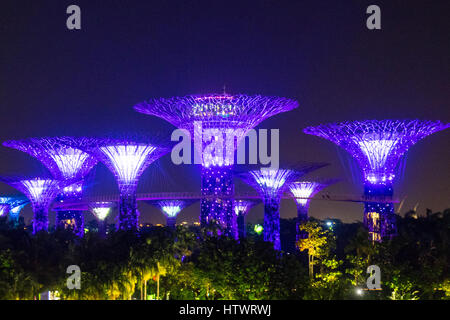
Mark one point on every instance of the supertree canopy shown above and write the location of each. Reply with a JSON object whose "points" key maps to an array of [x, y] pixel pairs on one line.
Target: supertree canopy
{"points": [[270, 184], [64, 162], [377, 145], [101, 210], [4, 209], [127, 160], [40, 192], [228, 118], [171, 208], [241, 207], [304, 191], [13, 205]]}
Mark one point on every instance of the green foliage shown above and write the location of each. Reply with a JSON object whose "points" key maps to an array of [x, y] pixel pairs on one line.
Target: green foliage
{"points": [[190, 263]]}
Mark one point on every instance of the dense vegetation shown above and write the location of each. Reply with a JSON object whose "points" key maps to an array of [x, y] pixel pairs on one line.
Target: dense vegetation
{"points": [[189, 263]]}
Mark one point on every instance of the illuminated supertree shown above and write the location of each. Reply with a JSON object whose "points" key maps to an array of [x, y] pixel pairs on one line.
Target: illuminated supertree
{"points": [[127, 160], [270, 184], [377, 145], [4, 209], [219, 122], [171, 208], [64, 163], [41, 192], [101, 210], [241, 208], [304, 191], [13, 206]]}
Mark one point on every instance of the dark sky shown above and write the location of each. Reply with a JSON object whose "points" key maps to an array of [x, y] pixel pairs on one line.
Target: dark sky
{"points": [[59, 82]]}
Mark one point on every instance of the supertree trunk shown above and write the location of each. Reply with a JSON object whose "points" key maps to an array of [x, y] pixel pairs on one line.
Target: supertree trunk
{"points": [[217, 182], [40, 220], [379, 217], [102, 227], [272, 222], [171, 221], [241, 225], [128, 214], [302, 217]]}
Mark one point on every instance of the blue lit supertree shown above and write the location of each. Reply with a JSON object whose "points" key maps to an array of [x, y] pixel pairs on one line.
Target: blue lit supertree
{"points": [[241, 208], [4, 209], [304, 191], [64, 163], [126, 159], [101, 210], [41, 192], [377, 145], [13, 206], [171, 208], [271, 184], [225, 116]]}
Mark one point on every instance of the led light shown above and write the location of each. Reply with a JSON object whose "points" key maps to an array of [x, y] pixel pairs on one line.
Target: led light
{"points": [[127, 160], [258, 229]]}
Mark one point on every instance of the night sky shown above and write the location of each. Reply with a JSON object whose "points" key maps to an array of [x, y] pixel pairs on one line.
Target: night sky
{"points": [[54, 81]]}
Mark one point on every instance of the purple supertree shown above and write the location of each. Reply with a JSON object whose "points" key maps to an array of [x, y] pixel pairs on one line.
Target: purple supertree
{"points": [[101, 210], [241, 208], [40, 192], [304, 191], [377, 145], [127, 160], [171, 208], [64, 163], [222, 116], [271, 184]]}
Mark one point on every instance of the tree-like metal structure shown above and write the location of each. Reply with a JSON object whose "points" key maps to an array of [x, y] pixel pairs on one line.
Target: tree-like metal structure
{"points": [[377, 145], [41, 192], [241, 208], [171, 208], [64, 163], [101, 210], [4, 209], [13, 206], [304, 191], [271, 184], [228, 117], [127, 160]]}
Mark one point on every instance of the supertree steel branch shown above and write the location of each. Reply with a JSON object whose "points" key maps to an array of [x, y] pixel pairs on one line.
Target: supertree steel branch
{"points": [[40, 192], [304, 191], [127, 160], [241, 208], [377, 145], [270, 184], [4, 209], [225, 115], [101, 210], [171, 208], [64, 162]]}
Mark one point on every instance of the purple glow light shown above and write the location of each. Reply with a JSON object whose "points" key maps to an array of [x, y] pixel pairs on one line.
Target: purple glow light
{"points": [[62, 160], [41, 193], [224, 114], [270, 184], [127, 160], [377, 145]]}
